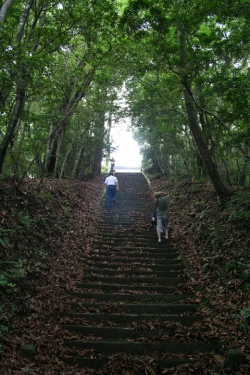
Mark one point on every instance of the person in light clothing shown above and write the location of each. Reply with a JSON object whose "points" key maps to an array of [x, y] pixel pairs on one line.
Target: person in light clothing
{"points": [[161, 202], [112, 186]]}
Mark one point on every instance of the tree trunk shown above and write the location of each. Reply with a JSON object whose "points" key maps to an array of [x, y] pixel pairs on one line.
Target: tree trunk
{"points": [[156, 166], [23, 20], [52, 160], [97, 162], [80, 151], [223, 191], [20, 100], [243, 175], [39, 166], [77, 161], [20, 84], [58, 147], [66, 111], [48, 151], [4, 10], [66, 158]]}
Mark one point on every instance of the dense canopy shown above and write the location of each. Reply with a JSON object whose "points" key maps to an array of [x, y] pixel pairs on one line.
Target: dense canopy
{"points": [[181, 68]]}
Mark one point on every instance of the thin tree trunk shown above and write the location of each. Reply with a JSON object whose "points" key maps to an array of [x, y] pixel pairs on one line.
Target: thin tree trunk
{"points": [[23, 19], [156, 166], [39, 167], [79, 152], [48, 150], [77, 161], [17, 151], [66, 158], [159, 161], [243, 175], [20, 100], [96, 169], [58, 147], [52, 160], [66, 111]]}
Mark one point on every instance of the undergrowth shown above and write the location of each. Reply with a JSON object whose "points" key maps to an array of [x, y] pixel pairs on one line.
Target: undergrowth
{"points": [[32, 225]]}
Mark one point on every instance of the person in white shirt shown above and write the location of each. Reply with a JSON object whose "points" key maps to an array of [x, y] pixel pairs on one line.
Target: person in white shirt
{"points": [[111, 186]]}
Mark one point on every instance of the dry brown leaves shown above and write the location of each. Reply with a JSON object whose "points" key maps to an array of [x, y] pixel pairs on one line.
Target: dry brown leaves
{"points": [[73, 204]]}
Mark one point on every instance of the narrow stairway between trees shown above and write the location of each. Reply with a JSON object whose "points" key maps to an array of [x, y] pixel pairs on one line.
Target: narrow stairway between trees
{"points": [[131, 311]]}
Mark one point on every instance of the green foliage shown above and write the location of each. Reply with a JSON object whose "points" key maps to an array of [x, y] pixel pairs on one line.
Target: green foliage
{"points": [[44, 196], [4, 329], [25, 219], [105, 169], [71, 63], [245, 315], [9, 278], [26, 369], [214, 77], [6, 285], [215, 239], [238, 208], [66, 209], [246, 279], [246, 287], [64, 53], [230, 266], [4, 239]]}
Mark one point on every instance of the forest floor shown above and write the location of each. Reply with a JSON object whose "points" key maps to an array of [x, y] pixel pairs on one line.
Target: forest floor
{"points": [[45, 231]]}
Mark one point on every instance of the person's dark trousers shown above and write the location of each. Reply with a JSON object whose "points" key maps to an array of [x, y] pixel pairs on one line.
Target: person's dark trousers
{"points": [[111, 194]]}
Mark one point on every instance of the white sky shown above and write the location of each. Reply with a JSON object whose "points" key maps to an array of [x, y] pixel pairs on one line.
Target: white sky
{"points": [[128, 151]]}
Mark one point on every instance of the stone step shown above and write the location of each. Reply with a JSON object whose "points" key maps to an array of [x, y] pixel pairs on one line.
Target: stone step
{"points": [[114, 220], [140, 219], [125, 306], [131, 273], [127, 213], [159, 281], [112, 333], [132, 289], [149, 363], [128, 308], [126, 209], [126, 226], [123, 332], [131, 319], [134, 248], [137, 256], [111, 347], [171, 265], [132, 242], [131, 237], [138, 298]]}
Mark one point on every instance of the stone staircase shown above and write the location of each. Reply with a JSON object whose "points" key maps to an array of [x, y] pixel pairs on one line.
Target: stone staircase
{"points": [[127, 310]]}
